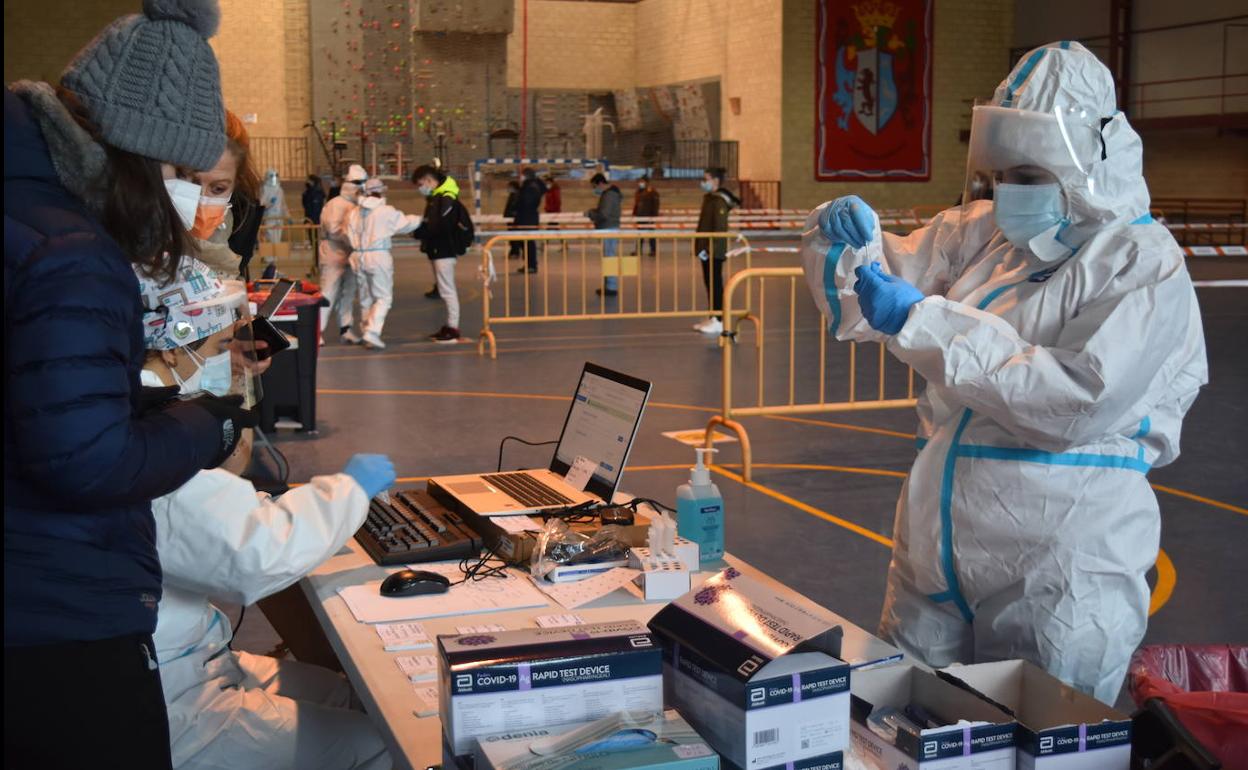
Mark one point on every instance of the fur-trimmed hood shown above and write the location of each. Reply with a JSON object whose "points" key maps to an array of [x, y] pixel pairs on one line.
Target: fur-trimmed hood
{"points": [[80, 162]]}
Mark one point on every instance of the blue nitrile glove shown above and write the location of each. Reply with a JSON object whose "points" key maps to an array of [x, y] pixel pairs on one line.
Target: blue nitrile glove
{"points": [[848, 220], [885, 299], [374, 473]]}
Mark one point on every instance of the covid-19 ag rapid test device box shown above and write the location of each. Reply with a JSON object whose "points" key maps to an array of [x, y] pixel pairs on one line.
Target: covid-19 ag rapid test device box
{"points": [[755, 668], [519, 680]]}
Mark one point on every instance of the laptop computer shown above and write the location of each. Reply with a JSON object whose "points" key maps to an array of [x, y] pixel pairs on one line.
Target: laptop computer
{"points": [[601, 425]]}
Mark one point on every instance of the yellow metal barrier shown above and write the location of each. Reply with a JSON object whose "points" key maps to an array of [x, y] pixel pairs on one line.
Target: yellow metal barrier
{"points": [[792, 405], [573, 267]]}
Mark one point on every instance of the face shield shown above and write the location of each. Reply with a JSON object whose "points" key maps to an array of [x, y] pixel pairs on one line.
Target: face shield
{"points": [[1026, 163], [226, 360]]}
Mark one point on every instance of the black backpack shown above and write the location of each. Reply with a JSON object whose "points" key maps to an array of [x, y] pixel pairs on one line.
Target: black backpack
{"points": [[462, 232]]}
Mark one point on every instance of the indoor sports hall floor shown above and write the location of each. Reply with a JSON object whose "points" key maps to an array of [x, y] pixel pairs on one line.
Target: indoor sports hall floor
{"points": [[819, 512]]}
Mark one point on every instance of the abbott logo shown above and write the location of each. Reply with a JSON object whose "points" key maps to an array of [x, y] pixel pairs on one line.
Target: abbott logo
{"points": [[463, 682], [640, 642], [758, 696], [1046, 743], [929, 749]]}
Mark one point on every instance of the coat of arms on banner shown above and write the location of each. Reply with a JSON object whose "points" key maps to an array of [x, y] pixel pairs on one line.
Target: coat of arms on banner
{"points": [[873, 90]]}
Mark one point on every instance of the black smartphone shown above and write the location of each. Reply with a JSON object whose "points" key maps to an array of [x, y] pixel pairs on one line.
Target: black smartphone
{"points": [[263, 328]]}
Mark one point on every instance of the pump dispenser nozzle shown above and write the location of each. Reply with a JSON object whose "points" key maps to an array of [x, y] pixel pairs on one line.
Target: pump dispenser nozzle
{"points": [[700, 475]]}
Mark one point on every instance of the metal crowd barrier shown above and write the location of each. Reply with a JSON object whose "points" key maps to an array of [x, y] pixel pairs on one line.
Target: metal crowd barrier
{"points": [[294, 251], [798, 396], [572, 270]]}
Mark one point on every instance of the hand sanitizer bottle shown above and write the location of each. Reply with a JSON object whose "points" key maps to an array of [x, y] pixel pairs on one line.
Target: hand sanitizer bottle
{"points": [[700, 511]]}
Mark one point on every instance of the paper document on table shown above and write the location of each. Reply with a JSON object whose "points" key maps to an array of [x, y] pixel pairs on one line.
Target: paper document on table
{"points": [[559, 621], [484, 628], [573, 595], [426, 700], [418, 668], [403, 636], [516, 524], [512, 592], [579, 474]]}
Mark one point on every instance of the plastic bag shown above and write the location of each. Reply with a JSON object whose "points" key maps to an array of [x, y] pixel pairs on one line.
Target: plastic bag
{"points": [[559, 544], [1206, 686]]}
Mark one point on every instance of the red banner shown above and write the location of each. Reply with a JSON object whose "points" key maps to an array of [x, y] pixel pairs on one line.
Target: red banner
{"points": [[873, 90]]}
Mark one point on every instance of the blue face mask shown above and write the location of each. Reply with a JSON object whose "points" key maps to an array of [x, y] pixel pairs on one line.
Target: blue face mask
{"points": [[215, 374], [708, 187], [597, 191], [1024, 211]]}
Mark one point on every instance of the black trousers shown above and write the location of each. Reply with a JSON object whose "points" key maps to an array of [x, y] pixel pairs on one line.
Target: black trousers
{"points": [[713, 279], [85, 704]]}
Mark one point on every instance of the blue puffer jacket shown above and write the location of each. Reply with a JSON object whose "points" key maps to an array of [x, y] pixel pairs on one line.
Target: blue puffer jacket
{"points": [[80, 466]]}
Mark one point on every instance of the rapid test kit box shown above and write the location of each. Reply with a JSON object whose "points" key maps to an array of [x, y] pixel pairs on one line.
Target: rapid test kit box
{"points": [[985, 741], [651, 741], [512, 681], [755, 670], [1059, 727]]}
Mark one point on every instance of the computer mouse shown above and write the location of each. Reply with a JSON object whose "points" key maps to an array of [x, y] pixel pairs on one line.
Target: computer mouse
{"points": [[411, 582]]}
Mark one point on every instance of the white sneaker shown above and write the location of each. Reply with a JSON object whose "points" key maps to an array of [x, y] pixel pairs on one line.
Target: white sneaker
{"points": [[349, 337], [373, 342], [701, 324], [711, 326]]}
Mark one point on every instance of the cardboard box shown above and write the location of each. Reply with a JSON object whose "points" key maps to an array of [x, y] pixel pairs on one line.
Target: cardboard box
{"points": [[1059, 727], [753, 668], [532, 678], [988, 746], [675, 746]]}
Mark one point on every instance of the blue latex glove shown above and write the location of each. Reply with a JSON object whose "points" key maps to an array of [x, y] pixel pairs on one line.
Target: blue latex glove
{"points": [[374, 473], [885, 299], [848, 220]]}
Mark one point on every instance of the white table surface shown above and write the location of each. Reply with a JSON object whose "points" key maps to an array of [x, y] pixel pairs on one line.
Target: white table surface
{"points": [[389, 697]]}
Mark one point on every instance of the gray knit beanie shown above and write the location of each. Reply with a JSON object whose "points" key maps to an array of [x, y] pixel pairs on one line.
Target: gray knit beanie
{"points": [[150, 83]]}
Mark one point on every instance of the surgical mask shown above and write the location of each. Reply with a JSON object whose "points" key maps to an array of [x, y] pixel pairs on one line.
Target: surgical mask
{"points": [[597, 191], [1025, 211], [641, 185], [426, 190], [214, 374], [185, 198], [372, 202], [708, 187], [209, 216]]}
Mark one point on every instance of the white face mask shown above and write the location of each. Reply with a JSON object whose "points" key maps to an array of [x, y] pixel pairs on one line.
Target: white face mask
{"points": [[185, 197], [641, 185], [371, 202], [1025, 211], [213, 375]]}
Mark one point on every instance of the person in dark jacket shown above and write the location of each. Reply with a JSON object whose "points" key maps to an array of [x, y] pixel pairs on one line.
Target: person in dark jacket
{"points": [[437, 240], [313, 201], [528, 212], [516, 249], [607, 217], [717, 202], [646, 204], [91, 196]]}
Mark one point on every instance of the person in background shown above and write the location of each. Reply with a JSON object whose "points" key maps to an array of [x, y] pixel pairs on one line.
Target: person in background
{"points": [[313, 200], [607, 217], [232, 180], [90, 194], [1059, 335], [245, 211], [338, 285], [553, 203], [443, 213], [528, 212], [516, 248], [717, 202], [273, 199], [646, 204], [218, 537], [370, 228]]}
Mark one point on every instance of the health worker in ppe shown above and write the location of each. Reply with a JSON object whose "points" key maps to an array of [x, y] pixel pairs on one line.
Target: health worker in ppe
{"points": [[1058, 331], [217, 536], [274, 201], [334, 251], [370, 228]]}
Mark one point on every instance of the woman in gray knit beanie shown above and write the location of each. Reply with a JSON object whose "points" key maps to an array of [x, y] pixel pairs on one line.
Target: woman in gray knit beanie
{"points": [[90, 192]]}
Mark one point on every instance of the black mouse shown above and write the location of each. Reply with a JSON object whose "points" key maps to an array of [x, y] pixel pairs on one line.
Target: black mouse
{"points": [[411, 582]]}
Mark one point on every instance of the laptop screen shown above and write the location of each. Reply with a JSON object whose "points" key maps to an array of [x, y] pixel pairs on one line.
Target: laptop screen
{"points": [[601, 425], [277, 295]]}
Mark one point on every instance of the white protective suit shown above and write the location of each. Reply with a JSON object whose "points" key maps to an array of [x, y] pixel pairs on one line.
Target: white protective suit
{"points": [[218, 537], [334, 252], [370, 232], [1026, 525], [274, 201]]}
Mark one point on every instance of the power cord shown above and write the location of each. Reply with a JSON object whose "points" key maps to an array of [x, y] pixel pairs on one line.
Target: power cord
{"points": [[488, 565], [503, 443]]}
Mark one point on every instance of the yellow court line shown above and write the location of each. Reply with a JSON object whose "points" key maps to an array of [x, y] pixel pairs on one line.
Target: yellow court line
{"points": [[1166, 578], [843, 426], [1199, 499]]}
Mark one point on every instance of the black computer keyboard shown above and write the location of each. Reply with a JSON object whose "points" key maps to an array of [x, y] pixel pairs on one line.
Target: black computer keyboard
{"points": [[526, 490], [415, 528]]}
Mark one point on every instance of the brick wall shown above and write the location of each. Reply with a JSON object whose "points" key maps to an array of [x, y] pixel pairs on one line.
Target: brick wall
{"points": [[41, 36], [1196, 163], [970, 56], [573, 45], [752, 57]]}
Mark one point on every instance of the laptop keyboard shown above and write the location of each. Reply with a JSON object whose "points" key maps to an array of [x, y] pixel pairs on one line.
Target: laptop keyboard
{"points": [[526, 490]]}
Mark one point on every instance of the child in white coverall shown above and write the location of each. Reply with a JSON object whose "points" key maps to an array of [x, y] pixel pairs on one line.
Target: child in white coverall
{"points": [[370, 228]]}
